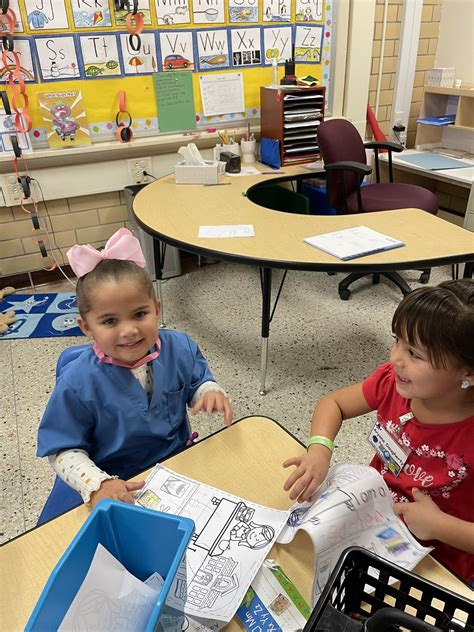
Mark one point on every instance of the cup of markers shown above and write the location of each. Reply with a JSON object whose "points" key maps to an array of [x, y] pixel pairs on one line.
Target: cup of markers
{"points": [[226, 143]]}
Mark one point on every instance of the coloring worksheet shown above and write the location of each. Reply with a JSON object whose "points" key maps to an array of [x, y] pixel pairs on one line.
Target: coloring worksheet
{"points": [[231, 540], [352, 507]]}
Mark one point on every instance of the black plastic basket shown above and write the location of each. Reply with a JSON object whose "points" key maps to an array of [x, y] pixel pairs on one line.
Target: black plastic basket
{"points": [[363, 583]]}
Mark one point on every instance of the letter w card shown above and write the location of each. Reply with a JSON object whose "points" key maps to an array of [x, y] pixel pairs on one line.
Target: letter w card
{"points": [[389, 450]]}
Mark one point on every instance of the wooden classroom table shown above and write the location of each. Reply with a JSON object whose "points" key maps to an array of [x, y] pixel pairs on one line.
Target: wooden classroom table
{"points": [[173, 213], [244, 460]]}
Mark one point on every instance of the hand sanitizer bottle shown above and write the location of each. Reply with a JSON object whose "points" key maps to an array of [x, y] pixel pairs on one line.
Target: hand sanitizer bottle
{"points": [[275, 72]]}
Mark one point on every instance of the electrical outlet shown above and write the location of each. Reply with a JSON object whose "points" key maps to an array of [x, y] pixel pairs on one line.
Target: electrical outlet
{"points": [[12, 190], [136, 167]]}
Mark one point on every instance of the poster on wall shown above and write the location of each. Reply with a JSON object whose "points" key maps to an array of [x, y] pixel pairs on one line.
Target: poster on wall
{"points": [[87, 14], [222, 93], [169, 12], [277, 44], [46, 15], [57, 58], [309, 11], [276, 10], [246, 48], [243, 10], [141, 61], [213, 49], [308, 44], [177, 50], [100, 55], [175, 101], [207, 11], [19, 22], [144, 10], [65, 119], [23, 50], [7, 129]]}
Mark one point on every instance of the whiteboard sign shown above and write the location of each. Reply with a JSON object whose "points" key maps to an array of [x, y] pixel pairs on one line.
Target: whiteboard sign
{"points": [[222, 93]]}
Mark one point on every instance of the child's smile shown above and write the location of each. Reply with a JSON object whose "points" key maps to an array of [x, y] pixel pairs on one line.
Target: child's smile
{"points": [[123, 320]]}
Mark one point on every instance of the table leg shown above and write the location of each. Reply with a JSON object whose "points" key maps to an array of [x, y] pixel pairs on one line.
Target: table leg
{"points": [[159, 260], [468, 270], [266, 279]]}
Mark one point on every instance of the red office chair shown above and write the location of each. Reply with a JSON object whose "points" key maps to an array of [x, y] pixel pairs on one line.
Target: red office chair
{"points": [[343, 152]]}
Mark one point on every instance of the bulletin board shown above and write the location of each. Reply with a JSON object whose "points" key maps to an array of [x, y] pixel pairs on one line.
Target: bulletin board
{"points": [[71, 45]]}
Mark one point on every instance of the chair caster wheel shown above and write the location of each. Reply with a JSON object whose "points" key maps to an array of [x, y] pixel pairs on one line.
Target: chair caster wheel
{"points": [[425, 277], [345, 294]]}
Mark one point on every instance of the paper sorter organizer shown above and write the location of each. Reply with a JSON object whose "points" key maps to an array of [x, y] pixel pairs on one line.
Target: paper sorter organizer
{"points": [[143, 540]]}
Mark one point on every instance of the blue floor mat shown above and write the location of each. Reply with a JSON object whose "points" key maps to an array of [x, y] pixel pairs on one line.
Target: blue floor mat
{"points": [[41, 315]]}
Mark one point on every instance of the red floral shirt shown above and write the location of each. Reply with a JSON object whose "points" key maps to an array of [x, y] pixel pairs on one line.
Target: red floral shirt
{"points": [[440, 464]]}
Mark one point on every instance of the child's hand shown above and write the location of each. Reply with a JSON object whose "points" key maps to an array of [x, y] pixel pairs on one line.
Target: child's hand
{"points": [[116, 489], [311, 470], [422, 516], [214, 401]]}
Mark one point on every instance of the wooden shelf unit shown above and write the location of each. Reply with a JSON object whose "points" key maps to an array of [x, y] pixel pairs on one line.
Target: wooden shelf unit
{"points": [[291, 115], [441, 101]]}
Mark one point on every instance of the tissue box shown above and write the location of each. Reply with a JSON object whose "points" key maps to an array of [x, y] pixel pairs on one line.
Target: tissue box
{"points": [[143, 540], [208, 173], [441, 77]]}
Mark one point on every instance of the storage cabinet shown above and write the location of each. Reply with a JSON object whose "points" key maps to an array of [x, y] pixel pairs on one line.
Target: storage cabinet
{"points": [[291, 115], [440, 102]]}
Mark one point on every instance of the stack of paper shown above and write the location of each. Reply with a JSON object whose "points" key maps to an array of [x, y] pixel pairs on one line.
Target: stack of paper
{"points": [[351, 243]]}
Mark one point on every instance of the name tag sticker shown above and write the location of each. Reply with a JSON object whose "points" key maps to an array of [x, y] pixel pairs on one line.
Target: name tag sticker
{"points": [[389, 450]]}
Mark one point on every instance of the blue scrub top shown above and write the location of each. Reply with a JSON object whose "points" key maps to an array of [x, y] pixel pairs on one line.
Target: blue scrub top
{"points": [[104, 410]]}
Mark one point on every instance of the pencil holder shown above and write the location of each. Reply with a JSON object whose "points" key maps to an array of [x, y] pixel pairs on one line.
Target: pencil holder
{"points": [[233, 148], [248, 148]]}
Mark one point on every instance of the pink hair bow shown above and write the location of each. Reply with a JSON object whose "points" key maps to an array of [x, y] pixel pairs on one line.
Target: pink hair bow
{"points": [[122, 245]]}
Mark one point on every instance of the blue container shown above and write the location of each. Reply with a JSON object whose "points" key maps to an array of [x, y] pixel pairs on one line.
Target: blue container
{"points": [[317, 200], [144, 541]]}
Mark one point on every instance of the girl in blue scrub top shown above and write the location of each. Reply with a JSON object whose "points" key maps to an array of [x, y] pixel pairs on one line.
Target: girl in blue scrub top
{"points": [[119, 406]]}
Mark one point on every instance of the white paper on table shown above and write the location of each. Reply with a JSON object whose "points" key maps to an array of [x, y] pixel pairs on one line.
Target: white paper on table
{"points": [[228, 231], [246, 171], [110, 598], [352, 507], [222, 93], [232, 538]]}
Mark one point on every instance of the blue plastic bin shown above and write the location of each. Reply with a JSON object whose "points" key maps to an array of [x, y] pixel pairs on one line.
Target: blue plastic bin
{"points": [[144, 541], [317, 200]]}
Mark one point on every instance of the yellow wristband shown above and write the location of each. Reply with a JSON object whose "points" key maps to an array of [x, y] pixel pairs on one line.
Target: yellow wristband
{"points": [[318, 439]]}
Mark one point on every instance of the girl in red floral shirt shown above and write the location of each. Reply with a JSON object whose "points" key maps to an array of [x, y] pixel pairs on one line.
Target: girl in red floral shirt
{"points": [[424, 398]]}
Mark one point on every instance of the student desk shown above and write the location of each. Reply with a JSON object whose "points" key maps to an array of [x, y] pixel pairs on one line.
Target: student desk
{"points": [[233, 459], [463, 177], [173, 214]]}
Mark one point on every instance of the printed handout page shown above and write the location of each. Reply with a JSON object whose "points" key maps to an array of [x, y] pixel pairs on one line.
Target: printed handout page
{"points": [[222, 93], [354, 242], [110, 598], [227, 231], [353, 507], [232, 538]]}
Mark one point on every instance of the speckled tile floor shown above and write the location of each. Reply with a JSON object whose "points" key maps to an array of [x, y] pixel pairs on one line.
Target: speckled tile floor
{"points": [[317, 343]]}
